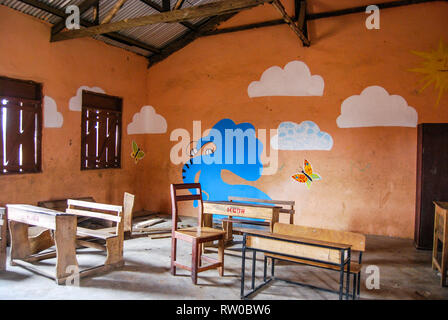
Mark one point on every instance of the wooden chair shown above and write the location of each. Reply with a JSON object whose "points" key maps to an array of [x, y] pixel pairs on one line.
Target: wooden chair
{"points": [[3, 226], [195, 235]]}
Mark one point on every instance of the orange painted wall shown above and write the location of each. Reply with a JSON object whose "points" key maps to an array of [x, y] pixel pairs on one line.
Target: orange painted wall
{"points": [[369, 176], [26, 53]]}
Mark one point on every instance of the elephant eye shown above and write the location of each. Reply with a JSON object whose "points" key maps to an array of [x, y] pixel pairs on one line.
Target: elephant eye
{"points": [[208, 148]]}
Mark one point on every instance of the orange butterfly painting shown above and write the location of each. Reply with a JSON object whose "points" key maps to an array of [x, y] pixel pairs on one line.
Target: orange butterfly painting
{"points": [[307, 175]]}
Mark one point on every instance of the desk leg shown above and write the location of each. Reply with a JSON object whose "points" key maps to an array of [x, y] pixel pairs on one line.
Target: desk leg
{"points": [[65, 241], [207, 221], [228, 228], [20, 247], [435, 241]]}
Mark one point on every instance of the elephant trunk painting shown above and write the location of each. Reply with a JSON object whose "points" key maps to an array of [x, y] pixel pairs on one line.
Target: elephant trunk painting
{"points": [[228, 147]]}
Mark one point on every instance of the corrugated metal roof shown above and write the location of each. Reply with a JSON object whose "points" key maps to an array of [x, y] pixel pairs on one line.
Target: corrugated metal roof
{"points": [[157, 35]]}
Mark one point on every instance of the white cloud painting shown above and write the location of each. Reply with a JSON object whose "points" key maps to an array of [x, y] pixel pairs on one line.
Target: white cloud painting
{"points": [[293, 80], [147, 121], [375, 107], [52, 118]]}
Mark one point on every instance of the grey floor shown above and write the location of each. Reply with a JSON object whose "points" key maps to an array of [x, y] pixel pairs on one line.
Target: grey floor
{"points": [[405, 273]]}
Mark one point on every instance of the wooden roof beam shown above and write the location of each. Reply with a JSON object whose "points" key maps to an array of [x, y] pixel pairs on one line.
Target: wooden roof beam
{"points": [[113, 35], [202, 11], [113, 11], [159, 8], [279, 6], [178, 4]]}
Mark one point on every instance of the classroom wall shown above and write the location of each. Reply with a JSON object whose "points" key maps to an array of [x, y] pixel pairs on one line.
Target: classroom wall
{"points": [[369, 174], [63, 67]]}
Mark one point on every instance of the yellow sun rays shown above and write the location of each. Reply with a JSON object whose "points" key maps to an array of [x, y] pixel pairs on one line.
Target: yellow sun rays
{"points": [[434, 69]]}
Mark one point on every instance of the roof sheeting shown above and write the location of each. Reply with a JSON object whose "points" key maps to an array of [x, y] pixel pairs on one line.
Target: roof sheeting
{"points": [[157, 35]]}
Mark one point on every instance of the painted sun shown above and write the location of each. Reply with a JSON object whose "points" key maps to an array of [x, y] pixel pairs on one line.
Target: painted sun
{"points": [[434, 69]]}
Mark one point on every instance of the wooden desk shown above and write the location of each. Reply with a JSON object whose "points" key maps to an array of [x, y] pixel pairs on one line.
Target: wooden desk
{"points": [[440, 234], [239, 209], [293, 249], [64, 226]]}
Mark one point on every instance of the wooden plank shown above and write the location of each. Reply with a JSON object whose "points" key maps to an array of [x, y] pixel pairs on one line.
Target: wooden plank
{"points": [[280, 202], [113, 11], [33, 268], [294, 249], [160, 236], [94, 233], [128, 205], [23, 214], [178, 4], [356, 240], [149, 223], [90, 244], [354, 267], [92, 214], [201, 11], [294, 238], [94, 205], [278, 5], [113, 35], [240, 210]]}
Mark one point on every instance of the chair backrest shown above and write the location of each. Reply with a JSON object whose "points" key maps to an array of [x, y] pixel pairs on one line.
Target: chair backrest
{"points": [[356, 240], [128, 205], [287, 206], [175, 198]]}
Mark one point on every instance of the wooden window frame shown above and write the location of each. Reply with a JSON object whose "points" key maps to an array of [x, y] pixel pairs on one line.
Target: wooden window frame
{"points": [[100, 103], [24, 95]]}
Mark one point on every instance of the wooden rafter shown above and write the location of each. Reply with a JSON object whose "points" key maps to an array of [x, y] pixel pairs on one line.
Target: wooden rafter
{"points": [[159, 8], [113, 11], [189, 37], [113, 35], [316, 16], [278, 5], [178, 4], [202, 11]]}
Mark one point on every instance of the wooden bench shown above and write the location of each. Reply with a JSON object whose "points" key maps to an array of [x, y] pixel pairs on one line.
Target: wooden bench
{"points": [[41, 238], [292, 248], [356, 241], [113, 237], [3, 227], [67, 236]]}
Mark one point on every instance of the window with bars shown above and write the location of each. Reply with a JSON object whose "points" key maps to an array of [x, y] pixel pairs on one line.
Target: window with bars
{"points": [[100, 131], [20, 126]]}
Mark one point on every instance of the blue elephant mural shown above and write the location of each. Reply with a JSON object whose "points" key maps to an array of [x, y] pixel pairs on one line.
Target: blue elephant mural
{"points": [[228, 146]]}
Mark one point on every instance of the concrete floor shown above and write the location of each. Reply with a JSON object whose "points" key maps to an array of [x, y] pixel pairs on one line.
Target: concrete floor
{"points": [[405, 273]]}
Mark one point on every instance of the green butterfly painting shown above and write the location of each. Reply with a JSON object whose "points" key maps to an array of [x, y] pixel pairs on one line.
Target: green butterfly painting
{"points": [[137, 154]]}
